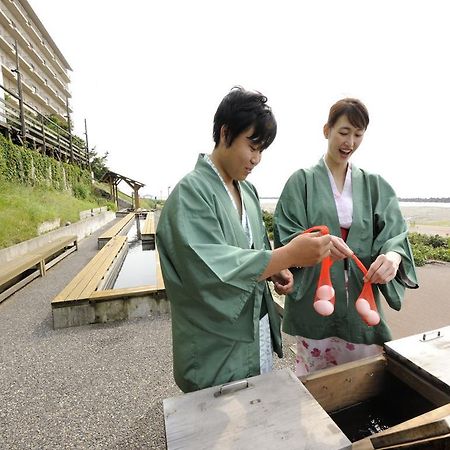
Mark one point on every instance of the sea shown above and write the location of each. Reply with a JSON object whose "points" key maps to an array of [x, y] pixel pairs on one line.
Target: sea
{"points": [[269, 203]]}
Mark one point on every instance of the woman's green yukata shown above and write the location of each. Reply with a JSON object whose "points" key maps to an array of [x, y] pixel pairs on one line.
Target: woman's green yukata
{"points": [[211, 278], [377, 228]]}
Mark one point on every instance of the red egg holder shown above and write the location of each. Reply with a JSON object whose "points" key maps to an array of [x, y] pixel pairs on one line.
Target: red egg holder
{"points": [[324, 298]]}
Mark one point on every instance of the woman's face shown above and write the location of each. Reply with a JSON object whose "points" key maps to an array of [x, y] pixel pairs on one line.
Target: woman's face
{"points": [[343, 140]]}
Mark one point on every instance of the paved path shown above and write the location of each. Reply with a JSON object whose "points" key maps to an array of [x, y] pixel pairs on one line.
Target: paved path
{"points": [[101, 386], [426, 308], [91, 387]]}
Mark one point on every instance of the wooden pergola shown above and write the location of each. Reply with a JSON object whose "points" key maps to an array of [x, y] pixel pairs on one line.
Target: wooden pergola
{"points": [[114, 179]]}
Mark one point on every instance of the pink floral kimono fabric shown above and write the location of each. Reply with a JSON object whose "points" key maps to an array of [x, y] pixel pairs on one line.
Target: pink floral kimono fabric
{"points": [[315, 355]]}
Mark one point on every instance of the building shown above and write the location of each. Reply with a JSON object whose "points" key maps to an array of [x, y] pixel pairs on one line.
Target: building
{"points": [[43, 68]]}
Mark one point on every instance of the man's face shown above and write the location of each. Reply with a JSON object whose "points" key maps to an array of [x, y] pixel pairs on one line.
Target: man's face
{"points": [[242, 156]]}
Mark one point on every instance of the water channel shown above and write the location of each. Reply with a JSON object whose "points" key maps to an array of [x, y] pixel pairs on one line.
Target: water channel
{"points": [[139, 266]]}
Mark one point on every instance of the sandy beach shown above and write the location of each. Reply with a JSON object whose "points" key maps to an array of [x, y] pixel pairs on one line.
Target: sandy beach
{"points": [[421, 219]]}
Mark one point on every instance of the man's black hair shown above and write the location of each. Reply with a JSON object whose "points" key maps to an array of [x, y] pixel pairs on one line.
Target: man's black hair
{"points": [[241, 110]]}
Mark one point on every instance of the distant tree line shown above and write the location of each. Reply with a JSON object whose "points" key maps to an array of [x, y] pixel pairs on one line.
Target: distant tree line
{"points": [[429, 199]]}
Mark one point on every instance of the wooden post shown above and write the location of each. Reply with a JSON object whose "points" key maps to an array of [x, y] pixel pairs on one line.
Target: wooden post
{"points": [[136, 197]]}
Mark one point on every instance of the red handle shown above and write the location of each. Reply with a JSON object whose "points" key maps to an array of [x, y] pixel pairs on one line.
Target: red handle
{"points": [[324, 298], [371, 315]]}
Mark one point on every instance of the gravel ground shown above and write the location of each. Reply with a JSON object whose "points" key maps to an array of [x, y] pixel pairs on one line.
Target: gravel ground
{"points": [[91, 387]]}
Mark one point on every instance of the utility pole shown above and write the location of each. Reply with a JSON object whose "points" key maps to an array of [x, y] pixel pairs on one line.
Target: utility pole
{"points": [[19, 91], [69, 127], [87, 146]]}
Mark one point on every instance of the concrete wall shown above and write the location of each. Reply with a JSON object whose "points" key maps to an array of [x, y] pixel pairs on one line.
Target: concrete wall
{"points": [[81, 229]]}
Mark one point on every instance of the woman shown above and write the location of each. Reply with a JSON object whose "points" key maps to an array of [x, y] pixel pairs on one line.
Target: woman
{"points": [[362, 213]]}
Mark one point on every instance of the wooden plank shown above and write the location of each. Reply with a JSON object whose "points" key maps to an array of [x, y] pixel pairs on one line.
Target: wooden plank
{"points": [[60, 257], [52, 247], [93, 273], [86, 281], [428, 354], [111, 294], [148, 230], [19, 265], [270, 411], [66, 293], [117, 227], [159, 278], [435, 414], [31, 259], [118, 251], [423, 386], [416, 433], [96, 260], [347, 384], [8, 292]]}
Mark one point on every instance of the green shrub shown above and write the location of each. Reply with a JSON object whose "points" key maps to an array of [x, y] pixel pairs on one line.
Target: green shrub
{"points": [[268, 222], [427, 248], [81, 191]]}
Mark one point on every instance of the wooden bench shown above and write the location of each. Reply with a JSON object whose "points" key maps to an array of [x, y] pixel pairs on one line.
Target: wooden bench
{"points": [[25, 268], [148, 230], [81, 304], [99, 273], [119, 228]]}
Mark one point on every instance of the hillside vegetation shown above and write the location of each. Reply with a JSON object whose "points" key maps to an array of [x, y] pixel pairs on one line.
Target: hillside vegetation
{"points": [[23, 208], [35, 188]]}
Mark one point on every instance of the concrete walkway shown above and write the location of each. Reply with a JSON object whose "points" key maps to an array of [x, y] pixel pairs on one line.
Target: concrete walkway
{"points": [[92, 387], [101, 386]]}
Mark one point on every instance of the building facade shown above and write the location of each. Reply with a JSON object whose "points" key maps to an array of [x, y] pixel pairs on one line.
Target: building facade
{"points": [[43, 68]]}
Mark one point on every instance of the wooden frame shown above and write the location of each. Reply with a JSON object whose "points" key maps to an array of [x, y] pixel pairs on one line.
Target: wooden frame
{"points": [[14, 276], [119, 227]]}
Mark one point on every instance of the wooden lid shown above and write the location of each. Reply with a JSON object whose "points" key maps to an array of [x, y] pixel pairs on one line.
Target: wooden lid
{"points": [[273, 410], [427, 354]]}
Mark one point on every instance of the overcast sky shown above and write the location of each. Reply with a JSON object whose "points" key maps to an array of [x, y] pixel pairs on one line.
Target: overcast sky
{"points": [[148, 77]]}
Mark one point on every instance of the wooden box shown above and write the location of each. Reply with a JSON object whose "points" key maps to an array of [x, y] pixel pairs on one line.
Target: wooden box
{"points": [[398, 400]]}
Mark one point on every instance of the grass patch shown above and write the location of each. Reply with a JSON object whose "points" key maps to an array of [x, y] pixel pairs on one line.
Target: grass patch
{"points": [[23, 208]]}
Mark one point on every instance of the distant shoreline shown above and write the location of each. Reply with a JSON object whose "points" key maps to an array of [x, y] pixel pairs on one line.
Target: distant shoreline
{"points": [[422, 218], [400, 199]]}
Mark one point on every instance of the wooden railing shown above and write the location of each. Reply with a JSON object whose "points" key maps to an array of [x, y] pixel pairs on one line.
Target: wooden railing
{"points": [[39, 133]]}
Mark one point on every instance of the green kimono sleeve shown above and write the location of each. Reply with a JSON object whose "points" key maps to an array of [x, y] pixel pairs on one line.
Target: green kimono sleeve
{"points": [[392, 235], [211, 274], [290, 220]]}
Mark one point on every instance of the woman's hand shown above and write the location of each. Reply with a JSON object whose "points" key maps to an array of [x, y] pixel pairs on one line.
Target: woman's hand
{"points": [[283, 282], [339, 249], [384, 268]]}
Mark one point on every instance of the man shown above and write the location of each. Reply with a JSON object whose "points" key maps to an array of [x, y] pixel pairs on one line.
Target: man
{"points": [[215, 255]]}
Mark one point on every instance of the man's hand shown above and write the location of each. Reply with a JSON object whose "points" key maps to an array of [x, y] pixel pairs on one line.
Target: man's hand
{"points": [[309, 249], [283, 282]]}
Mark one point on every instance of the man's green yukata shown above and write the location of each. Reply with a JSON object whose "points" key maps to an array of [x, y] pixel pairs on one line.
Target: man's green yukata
{"points": [[377, 227], [211, 279]]}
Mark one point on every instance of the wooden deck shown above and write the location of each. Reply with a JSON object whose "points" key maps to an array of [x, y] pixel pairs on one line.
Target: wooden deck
{"points": [[25, 268], [119, 228], [88, 298], [98, 273], [149, 229]]}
